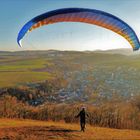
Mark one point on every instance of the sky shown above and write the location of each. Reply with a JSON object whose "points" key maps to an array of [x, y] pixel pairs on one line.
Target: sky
{"points": [[64, 36]]}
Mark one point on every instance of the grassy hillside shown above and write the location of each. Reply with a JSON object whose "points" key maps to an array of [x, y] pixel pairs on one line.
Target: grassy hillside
{"points": [[39, 130], [85, 73], [19, 65], [45, 85]]}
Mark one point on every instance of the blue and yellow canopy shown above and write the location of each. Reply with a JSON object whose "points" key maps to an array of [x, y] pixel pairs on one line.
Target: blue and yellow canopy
{"points": [[90, 16]]}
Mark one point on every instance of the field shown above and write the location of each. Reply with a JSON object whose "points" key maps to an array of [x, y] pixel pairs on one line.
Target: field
{"points": [[82, 73], [39, 130], [15, 70]]}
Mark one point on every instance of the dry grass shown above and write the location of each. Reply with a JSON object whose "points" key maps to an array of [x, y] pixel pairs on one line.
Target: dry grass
{"points": [[39, 130]]}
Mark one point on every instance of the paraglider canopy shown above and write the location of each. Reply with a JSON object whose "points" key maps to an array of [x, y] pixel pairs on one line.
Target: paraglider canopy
{"points": [[90, 16]]}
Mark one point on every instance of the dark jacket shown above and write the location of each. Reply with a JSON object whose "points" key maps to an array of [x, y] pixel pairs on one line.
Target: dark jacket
{"points": [[82, 114]]}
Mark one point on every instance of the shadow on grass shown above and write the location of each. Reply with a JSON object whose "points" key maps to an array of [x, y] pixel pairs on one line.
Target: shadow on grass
{"points": [[63, 130], [52, 129]]}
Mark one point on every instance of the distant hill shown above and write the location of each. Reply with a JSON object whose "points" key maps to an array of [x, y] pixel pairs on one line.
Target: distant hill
{"points": [[123, 51], [120, 51]]}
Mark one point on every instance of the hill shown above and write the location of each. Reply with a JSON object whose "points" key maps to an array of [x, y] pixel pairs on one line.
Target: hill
{"points": [[40, 130], [84, 73], [38, 84]]}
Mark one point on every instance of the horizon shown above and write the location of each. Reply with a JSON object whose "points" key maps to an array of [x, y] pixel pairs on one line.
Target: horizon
{"points": [[119, 51], [64, 36], [70, 50]]}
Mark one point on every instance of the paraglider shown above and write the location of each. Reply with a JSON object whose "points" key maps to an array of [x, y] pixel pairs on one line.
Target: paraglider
{"points": [[90, 16]]}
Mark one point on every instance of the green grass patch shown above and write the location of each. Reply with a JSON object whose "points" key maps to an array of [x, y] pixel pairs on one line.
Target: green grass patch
{"points": [[24, 65], [8, 79]]}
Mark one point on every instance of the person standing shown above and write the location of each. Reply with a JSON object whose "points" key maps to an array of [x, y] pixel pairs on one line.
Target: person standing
{"points": [[82, 115]]}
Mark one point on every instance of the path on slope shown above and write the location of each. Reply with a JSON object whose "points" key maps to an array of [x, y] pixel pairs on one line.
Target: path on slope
{"points": [[11, 129]]}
